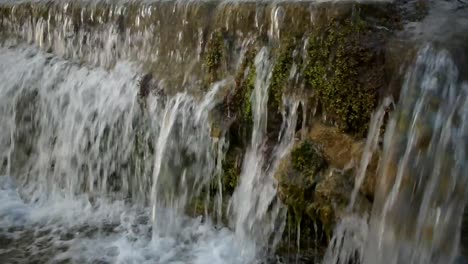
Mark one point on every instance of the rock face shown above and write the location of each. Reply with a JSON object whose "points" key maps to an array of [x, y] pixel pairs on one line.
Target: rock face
{"points": [[299, 174], [333, 57], [330, 199], [316, 180], [344, 153]]}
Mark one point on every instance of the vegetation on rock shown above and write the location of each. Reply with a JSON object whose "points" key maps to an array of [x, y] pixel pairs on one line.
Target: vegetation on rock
{"points": [[231, 170], [237, 104], [214, 54], [316, 180], [245, 84], [331, 197], [335, 62], [298, 174], [280, 74]]}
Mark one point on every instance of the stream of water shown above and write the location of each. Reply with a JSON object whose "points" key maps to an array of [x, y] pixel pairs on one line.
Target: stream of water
{"points": [[421, 193], [66, 130], [95, 167]]}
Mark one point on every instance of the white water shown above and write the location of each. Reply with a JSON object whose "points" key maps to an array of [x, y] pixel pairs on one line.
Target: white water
{"points": [[102, 175], [421, 193], [110, 232], [67, 130], [258, 214]]}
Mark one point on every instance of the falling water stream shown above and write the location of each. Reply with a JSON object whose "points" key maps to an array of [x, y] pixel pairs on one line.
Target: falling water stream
{"points": [[420, 199], [71, 127], [94, 168], [94, 172]]}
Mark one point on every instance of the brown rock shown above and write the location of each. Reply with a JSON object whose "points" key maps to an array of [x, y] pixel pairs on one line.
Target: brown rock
{"points": [[344, 152]]}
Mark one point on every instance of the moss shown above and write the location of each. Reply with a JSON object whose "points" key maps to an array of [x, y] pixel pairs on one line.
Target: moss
{"points": [[307, 159], [316, 194], [230, 176], [214, 54], [331, 198], [323, 213], [280, 74], [197, 206], [335, 56], [231, 170], [298, 175], [247, 102], [237, 104], [245, 83]]}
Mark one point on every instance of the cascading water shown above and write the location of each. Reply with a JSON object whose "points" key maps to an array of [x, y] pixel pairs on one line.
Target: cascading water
{"points": [[124, 164], [257, 214], [70, 128], [115, 128], [421, 193]]}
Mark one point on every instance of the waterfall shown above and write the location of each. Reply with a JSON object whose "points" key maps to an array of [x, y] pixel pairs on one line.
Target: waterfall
{"points": [[258, 213], [91, 152], [183, 131], [86, 144], [420, 196]]}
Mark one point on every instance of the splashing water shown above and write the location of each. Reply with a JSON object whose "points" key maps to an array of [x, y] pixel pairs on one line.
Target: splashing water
{"points": [[97, 171], [83, 142], [78, 141], [420, 196]]}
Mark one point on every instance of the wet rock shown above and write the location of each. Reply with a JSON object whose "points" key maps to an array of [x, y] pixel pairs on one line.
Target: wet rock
{"points": [[232, 165], [145, 84], [297, 175], [331, 199], [214, 54], [344, 152], [340, 149], [346, 69], [317, 179]]}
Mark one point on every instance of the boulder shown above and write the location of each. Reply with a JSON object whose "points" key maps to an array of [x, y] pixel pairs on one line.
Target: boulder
{"points": [[298, 174]]}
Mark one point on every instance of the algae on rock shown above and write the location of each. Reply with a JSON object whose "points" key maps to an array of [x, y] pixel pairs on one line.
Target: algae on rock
{"points": [[214, 54], [335, 67], [297, 175]]}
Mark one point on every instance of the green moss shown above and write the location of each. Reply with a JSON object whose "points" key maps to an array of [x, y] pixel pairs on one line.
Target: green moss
{"points": [[297, 176], [280, 74], [230, 177], [214, 54], [324, 213], [231, 169], [249, 87], [239, 101], [335, 55], [307, 159], [238, 105], [197, 206]]}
